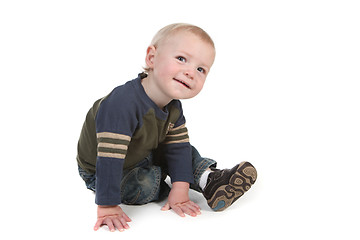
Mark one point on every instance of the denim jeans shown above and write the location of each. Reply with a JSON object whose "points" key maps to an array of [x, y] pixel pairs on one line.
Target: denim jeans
{"points": [[145, 182]]}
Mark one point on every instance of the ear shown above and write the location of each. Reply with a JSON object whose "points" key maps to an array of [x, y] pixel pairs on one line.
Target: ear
{"points": [[150, 54]]}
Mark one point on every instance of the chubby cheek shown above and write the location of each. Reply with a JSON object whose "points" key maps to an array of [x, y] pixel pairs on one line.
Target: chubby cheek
{"points": [[165, 72], [198, 88], [201, 84], [171, 69]]}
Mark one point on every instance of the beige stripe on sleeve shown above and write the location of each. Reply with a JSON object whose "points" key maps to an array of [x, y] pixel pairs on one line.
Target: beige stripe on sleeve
{"points": [[114, 146], [113, 136], [112, 155]]}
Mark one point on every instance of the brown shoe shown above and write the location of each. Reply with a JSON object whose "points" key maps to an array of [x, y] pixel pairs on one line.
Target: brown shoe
{"points": [[224, 187]]}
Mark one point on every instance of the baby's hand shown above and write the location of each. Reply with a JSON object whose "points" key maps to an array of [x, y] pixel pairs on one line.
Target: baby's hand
{"points": [[179, 201], [112, 216]]}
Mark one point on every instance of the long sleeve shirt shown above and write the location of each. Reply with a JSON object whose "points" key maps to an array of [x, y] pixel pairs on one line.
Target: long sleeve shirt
{"points": [[122, 129]]}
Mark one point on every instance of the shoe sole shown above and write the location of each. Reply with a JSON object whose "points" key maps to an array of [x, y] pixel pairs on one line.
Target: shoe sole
{"points": [[240, 182]]}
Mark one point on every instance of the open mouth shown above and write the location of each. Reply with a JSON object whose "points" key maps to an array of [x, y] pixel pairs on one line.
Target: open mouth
{"points": [[183, 83]]}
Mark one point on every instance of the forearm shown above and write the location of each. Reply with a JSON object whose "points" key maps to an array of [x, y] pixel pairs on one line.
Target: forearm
{"points": [[181, 185], [179, 161], [108, 179]]}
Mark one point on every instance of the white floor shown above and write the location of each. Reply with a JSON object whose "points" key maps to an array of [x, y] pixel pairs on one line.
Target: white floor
{"points": [[306, 204]]}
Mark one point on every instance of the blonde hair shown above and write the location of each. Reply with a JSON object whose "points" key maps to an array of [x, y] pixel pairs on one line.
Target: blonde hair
{"points": [[167, 31]]}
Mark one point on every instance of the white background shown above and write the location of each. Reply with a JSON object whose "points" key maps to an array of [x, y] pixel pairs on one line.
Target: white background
{"points": [[283, 94]]}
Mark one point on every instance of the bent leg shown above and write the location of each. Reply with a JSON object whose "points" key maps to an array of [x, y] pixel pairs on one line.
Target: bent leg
{"points": [[200, 164], [142, 185], [88, 178]]}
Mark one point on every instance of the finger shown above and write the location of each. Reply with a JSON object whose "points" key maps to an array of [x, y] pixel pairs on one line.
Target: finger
{"points": [[110, 224], [124, 223], [188, 210], [194, 207], [178, 211], [166, 207], [127, 219], [98, 224], [118, 224]]}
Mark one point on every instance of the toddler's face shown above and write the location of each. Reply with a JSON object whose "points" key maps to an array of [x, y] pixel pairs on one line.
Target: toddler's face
{"points": [[181, 64]]}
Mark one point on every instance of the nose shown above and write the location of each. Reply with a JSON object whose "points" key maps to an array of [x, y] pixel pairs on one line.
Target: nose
{"points": [[189, 73]]}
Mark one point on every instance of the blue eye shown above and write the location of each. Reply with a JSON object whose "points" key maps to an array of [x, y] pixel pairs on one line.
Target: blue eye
{"points": [[181, 59], [200, 69]]}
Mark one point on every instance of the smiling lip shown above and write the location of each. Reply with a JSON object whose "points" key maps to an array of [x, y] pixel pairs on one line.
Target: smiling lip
{"points": [[183, 83]]}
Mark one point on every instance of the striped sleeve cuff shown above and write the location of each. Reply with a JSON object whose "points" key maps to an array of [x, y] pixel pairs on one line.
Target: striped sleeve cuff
{"points": [[112, 145], [177, 135]]}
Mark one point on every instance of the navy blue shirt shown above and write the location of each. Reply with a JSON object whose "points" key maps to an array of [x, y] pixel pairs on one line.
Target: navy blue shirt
{"points": [[122, 129]]}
